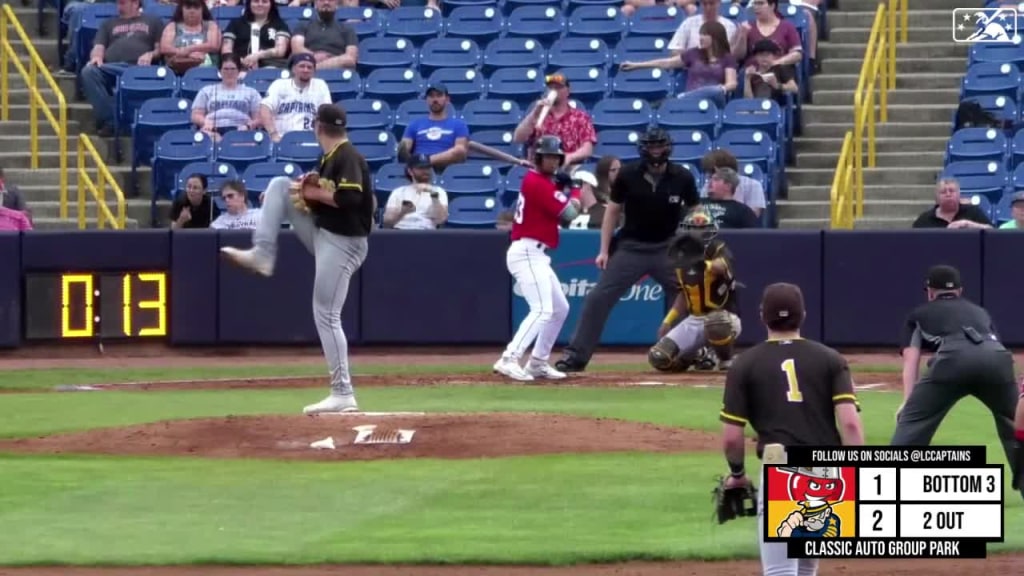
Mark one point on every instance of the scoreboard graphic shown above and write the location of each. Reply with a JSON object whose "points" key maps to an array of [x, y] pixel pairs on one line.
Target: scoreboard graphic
{"points": [[882, 501]]}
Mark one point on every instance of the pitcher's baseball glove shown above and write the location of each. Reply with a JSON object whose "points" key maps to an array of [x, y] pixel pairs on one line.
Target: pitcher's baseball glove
{"points": [[732, 503], [297, 197]]}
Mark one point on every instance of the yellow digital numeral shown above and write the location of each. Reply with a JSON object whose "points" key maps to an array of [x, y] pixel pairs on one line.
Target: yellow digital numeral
{"points": [[126, 304], [793, 392], [160, 304], [68, 280]]}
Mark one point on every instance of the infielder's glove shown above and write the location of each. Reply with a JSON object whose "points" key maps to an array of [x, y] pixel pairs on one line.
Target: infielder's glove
{"points": [[732, 503], [296, 194]]}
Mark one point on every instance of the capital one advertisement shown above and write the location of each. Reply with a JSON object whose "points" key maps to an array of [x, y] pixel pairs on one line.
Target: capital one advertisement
{"points": [[635, 318]]}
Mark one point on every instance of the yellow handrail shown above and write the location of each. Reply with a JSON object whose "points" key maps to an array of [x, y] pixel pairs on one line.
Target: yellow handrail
{"points": [[97, 188], [37, 103], [878, 72]]}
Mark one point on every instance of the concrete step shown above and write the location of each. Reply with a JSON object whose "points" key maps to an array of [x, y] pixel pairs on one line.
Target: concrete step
{"points": [[44, 177], [907, 210], [901, 96], [46, 47], [889, 145], [872, 193], [22, 128], [903, 66], [19, 93], [72, 224], [883, 223], [930, 80], [136, 210], [48, 142], [919, 18], [814, 113], [805, 224], [948, 49], [80, 112], [917, 34], [22, 159], [826, 159], [890, 129], [29, 19], [919, 175]]}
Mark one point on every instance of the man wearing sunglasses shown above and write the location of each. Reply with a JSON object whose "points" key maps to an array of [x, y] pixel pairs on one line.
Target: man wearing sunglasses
{"points": [[237, 215], [572, 126]]}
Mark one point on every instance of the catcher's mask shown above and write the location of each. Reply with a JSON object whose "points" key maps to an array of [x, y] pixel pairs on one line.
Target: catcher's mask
{"points": [[700, 225], [548, 146], [655, 147]]}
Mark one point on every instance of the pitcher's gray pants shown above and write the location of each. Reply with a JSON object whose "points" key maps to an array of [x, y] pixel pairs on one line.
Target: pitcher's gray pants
{"points": [[337, 260]]}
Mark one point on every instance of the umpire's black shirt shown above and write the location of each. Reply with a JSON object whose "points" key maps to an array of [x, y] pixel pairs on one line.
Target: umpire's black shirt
{"points": [[653, 206], [940, 324]]}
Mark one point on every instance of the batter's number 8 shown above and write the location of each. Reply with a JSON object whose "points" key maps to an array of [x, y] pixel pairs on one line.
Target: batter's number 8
{"points": [[793, 387]]}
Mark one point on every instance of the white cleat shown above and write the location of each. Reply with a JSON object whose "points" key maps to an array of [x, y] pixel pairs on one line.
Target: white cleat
{"points": [[543, 370], [512, 369], [332, 404], [248, 259]]}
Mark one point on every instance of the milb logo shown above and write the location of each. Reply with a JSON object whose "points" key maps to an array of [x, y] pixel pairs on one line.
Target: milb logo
{"points": [[986, 25]]}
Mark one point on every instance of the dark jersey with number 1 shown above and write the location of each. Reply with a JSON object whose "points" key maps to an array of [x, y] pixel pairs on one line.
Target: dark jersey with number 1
{"points": [[345, 171], [787, 390]]}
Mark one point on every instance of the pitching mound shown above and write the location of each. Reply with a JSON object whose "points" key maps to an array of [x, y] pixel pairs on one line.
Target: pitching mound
{"points": [[372, 437]]}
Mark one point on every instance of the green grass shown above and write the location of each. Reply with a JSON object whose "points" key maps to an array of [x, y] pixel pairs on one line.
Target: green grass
{"points": [[539, 510]]}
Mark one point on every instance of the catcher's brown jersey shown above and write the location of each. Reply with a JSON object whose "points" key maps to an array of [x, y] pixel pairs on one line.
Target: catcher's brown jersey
{"points": [[705, 292], [787, 390], [344, 170]]}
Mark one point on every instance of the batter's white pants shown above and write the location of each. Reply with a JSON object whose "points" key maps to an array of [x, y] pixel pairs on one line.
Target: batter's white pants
{"points": [[775, 560], [530, 265]]}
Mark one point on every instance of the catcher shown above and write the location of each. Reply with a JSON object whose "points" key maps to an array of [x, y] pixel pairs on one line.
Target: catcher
{"points": [[706, 301]]}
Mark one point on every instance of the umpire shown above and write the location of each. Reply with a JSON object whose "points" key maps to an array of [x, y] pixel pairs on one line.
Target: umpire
{"points": [[653, 193], [969, 360]]}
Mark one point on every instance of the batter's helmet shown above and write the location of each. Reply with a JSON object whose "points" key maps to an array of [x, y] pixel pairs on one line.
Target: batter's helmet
{"points": [[548, 146]]}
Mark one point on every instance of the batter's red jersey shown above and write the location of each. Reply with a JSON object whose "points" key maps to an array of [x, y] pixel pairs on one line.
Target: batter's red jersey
{"points": [[538, 209]]}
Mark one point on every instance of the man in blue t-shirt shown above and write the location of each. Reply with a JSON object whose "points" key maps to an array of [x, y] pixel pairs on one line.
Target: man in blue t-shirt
{"points": [[445, 139]]}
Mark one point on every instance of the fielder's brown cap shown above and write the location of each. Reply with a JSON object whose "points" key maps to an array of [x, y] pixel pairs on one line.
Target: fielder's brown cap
{"points": [[331, 115], [782, 301]]}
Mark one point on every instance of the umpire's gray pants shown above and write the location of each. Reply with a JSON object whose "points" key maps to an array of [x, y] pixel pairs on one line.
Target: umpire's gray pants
{"points": [[630, 262], [337, 259]]}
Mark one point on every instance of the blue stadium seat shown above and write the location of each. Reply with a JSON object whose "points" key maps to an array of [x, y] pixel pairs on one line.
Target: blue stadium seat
{"points": [[463, 84], [754, 172], [544, 23], [513, 183], [447, 8], [367, 22], [296, 14], [216, 173], [195, 78], [172, 151], [991, 78], [573, 5], [258, 176], [138, 84], [378, 146], [1003, 210], [514, 53], [227, 13], [367, 114], [763, 113], [394, 85], [492, 114], [980, 144], [736, 14], [298, 147], [342, 84], [386, 179], [659, 21], [983, 202], [241, 148], [979, 177], [753, 146], [649, 84], [473, 212], [260, 79], [498, 139], [796, 16], [385, 52], [620, 143], [622, 113], [154, 117], [471, 178], [589, 85], [440, 53], [690, 145], [1016, 149], [637, 49], [604, 22], [415, 23], [579, 51], [690, 112], [410, 110], [162, 11], [999, 53], [1017, 179], [481, 23], [93, 16], [1002, 107], [509, 6], [521, 85]]}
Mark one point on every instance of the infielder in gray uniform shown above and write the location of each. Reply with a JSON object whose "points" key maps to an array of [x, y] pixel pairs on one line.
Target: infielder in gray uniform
{"points": [[331, 211]]}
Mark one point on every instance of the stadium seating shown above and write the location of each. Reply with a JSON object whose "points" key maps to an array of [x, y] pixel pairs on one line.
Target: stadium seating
{"points": [[155, 117], [258, 176], [342, 84], [623, 113], [241, 148], [473, 211], [416, 23], [367, 114], [471, 178], [299, 147], [194, 80], [453, 53]]}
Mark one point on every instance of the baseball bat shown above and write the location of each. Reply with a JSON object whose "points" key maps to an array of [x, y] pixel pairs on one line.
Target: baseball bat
{"points": [[549, 100], [494, 153]]}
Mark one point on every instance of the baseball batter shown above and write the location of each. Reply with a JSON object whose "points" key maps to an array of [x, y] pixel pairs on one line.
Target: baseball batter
{"points": [[546, 200], [792, 391], [291, 103], [705, 271], [332, 216]]}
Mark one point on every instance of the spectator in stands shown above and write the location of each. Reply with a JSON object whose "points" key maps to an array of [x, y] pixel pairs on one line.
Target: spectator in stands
{"points": [[193, 207], [594, 192], [292, 103], [769, 24], [711, 68], [950, 212], [12, 198], [191, 38], [1017, 212], [722, 205], [259, 37], [228, 105], [688, 35], [334, 44], [444, 138], [763, 78], [71, 18], [574, 127], [418, 205], [13, 220], [130, 39], [748, 191], [238, 216], [630, 7]]}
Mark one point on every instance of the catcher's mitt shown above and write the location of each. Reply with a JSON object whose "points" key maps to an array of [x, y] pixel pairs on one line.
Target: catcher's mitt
{"points": [[732, 503], [297, 197]]}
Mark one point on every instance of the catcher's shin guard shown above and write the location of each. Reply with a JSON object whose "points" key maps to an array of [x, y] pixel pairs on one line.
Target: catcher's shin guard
{"points": [[665, 357], [720, 334]]}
